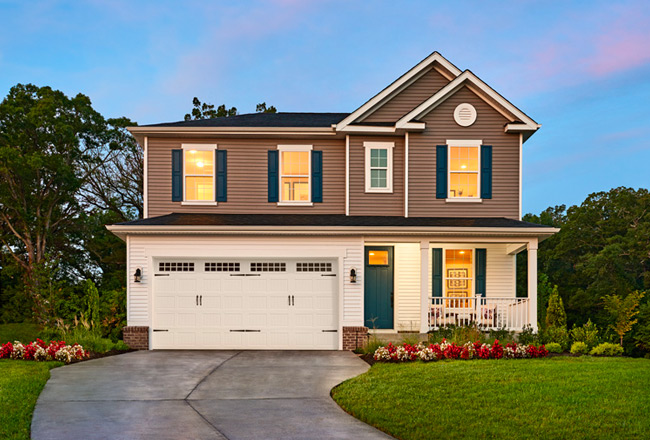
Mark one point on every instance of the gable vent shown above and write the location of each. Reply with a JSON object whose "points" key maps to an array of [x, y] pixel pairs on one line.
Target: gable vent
{"points": [[465, 114]]}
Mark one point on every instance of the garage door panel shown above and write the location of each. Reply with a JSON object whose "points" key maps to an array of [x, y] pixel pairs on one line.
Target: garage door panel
{"points": [[282, 308]]}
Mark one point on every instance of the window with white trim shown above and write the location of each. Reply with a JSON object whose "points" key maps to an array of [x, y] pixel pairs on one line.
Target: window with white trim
{"points": [[379, 166], [464, 169], [295, 173], [198, 173]]}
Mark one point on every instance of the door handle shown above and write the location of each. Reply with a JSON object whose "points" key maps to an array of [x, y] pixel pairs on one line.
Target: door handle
{"points": [[392, 299], [201, 300], [197, 300], [289, 299], [293, 300]]}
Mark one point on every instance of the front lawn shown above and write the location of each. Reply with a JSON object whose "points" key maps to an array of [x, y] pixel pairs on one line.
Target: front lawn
{"points": [[20, 384], [562, 397]]}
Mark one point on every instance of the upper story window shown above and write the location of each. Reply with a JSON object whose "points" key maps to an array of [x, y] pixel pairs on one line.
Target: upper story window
{"points": [[379, 166], [464, 169], [198, 173], [295, 173]]}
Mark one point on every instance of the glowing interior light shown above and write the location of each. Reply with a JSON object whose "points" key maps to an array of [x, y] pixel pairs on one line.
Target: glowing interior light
{"points": [[372, 254], [462, 252], [463, 166], [199, 164], [192, 151]]}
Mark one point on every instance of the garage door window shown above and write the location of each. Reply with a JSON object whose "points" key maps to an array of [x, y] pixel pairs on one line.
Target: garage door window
{"points": [[268, 267], [175, 266], [313, 267], [222, 267]]}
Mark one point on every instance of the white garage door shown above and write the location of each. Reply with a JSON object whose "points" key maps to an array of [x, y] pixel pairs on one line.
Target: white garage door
{"points": [[245, 304]]}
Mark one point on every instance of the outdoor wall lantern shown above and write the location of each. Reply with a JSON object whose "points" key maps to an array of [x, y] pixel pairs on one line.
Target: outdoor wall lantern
{"points": [[137, 276], [353, 275]]}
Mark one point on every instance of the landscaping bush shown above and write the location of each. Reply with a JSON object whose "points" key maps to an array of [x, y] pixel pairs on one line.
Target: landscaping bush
{"points": [[588, 334], [579, 347], [607, 349], [527, 335], [554, 347], [558, 335], [82, 333]]}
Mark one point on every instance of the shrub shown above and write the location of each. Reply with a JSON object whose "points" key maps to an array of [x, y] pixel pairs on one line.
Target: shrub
{"points": [[527, 335], [588, 334], [554, 347], [579, 347], [607, 349], [555, 314], [559, 335]]}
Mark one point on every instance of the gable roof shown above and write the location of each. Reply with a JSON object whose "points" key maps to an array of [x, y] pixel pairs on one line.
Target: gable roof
{"points": [[396, 86], [467, 77], [282, 119]]}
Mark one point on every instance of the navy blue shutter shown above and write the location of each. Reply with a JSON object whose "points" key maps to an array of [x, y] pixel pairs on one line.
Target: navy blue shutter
{"points": [[481, 269], [222, 175], [177, 175], [486, 171], [441, 172], [436, 265], [273, 175], [317, 176]]}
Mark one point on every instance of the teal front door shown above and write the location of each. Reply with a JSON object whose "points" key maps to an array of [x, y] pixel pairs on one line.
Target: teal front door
{"points": [[378, 296]]}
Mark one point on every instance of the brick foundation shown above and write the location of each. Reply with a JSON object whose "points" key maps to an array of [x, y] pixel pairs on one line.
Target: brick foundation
{"points": [[136, 337], [354, 337]]}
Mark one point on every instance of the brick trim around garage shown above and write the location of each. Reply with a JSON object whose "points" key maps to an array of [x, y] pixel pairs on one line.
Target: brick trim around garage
{"points": [[136, 337], [354, 337]]}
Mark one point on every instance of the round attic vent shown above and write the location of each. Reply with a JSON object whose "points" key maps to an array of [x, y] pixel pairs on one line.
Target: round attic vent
{"points": [[465, 114]]}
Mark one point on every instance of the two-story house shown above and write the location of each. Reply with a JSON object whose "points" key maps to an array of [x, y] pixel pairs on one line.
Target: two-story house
{"points": [[303, 230]]}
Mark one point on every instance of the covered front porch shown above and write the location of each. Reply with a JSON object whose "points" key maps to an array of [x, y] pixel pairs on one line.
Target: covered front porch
{"points": [[433, 282]]}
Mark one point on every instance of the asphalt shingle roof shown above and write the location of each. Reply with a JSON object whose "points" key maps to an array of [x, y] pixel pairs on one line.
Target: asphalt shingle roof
{"points": [[282, 119], [183, 219]]}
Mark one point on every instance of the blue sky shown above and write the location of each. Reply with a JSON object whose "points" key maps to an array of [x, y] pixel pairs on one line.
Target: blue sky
{"points": [[582, 69]]}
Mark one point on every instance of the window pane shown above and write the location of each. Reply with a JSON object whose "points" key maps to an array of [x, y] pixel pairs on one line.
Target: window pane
{"points": [[199, 161], [295, 189], [463, 159], [378, 258], [459, 273], [463, 185], [295, 163], [199, 188], [378, 158], [378, 179]]}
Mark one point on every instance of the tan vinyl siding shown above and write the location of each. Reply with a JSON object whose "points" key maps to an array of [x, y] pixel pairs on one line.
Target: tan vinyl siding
{"points": [[440, 126], [362, 203], [247, 177], [422, 89]]}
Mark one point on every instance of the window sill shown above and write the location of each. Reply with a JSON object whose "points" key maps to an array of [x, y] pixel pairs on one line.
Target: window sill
{"points": [[464, 200], [199, 203], [379, 190], [295, 204]]}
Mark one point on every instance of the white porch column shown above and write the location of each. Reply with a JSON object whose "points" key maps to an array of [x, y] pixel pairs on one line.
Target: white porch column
{"points": [[532, 282], [424, 286]]}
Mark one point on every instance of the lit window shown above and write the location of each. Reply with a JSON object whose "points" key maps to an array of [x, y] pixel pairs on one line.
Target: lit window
{"points": [[294, 176], [459, 273], [379, 166], [377, 258], [199, 175], [463, 171]]}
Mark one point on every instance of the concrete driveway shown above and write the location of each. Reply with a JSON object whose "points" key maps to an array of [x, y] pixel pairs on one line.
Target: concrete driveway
{"points": [[201, 395]]}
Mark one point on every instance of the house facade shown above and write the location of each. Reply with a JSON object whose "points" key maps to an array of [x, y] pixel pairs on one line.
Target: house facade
{"points": [[305, 230]]}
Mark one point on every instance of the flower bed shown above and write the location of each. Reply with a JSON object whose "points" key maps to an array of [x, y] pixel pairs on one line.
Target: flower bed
{"points": [[469, 350], [40, 351]]}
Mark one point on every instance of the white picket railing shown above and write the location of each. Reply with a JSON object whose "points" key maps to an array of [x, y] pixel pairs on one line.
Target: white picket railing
{"points": [[485, 312]]}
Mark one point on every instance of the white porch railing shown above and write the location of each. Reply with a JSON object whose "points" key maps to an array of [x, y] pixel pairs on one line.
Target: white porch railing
{"points": [[485, 312]]}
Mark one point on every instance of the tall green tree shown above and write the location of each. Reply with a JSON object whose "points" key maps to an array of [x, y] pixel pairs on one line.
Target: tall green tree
{"points": [[623, 311], [50, 146]]}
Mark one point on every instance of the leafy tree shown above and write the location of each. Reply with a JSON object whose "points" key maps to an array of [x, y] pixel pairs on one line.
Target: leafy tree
{"points": [[261, 108], [50, 145], [207, 111], [642, 330], [544, 290], [92, 303], [623, 310], [555, 314]]}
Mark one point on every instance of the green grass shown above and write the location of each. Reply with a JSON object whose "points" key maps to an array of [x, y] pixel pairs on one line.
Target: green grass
{"points": [[23, 332], [561, 397], [20, 384]]}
